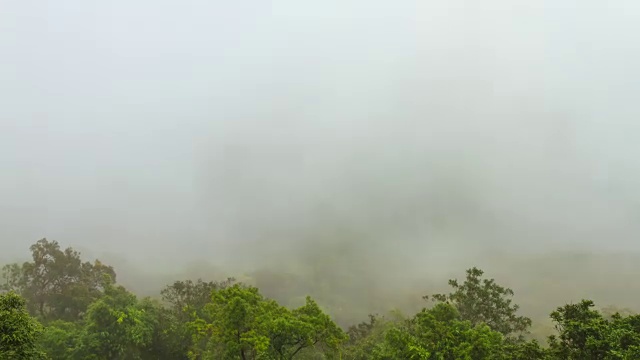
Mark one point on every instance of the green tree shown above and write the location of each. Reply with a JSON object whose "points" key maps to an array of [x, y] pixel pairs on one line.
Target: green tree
{"points": [[60, 340], [186, 301], [525, 350], [308, 326], [366, 336], [483, 301], [116, 327], [19, 332], [56, 283], [235, 330], [163, 342], [439, 333], [187, 295], [245, 325], [584, 333]]}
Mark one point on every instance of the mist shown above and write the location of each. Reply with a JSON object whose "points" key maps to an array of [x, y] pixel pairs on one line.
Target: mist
{"points": [[396, 142]]}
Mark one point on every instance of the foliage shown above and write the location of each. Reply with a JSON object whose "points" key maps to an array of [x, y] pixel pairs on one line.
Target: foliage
{"points": [[440, 333], [168, 340], [306, 326], [584, 333], [245, 325], [116, 327], [60, 340], [523, 350], [57, 284], [187, 296], [86, 316], [19, 331], [366, 336], [482, 301], [186, 301]]}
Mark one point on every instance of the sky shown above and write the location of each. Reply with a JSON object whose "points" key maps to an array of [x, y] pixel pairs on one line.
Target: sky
{"points": [[245, 132]]}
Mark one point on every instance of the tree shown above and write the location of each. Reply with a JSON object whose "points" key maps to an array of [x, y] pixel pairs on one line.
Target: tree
{"points": [[12, 278], [235, 331], [482, 301], [245, 325], [440, 333], [186, 300], [163, 343], [60, 340], [56, 283], [116, 327], [307, 326], [525, 350], [187, 296], [584, 333], [19, 332], [365, 337]]}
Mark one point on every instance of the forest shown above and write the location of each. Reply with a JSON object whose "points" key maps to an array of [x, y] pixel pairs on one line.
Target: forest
{"points": [[57, 306], [306, 180]]}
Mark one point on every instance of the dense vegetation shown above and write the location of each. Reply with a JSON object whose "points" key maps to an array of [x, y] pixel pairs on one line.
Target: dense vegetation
{"points": [[58, 307]]}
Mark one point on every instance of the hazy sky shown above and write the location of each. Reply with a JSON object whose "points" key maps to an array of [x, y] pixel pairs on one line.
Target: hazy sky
{"points": [[191, 129]]}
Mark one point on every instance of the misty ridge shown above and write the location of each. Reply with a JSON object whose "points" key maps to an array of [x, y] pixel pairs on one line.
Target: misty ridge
{"points": [[359, 152]]}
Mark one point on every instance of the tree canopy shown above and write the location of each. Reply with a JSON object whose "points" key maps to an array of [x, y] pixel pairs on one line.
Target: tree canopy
{"points": [[58, 307], [483, 301], [56, 283], [19, 331]]}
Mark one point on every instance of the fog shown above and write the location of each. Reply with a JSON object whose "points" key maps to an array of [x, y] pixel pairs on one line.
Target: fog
{"points": [[387, 140]]}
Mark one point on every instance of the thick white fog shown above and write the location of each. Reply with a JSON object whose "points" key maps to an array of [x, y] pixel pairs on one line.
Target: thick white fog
{"points": [[400, 134]]}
